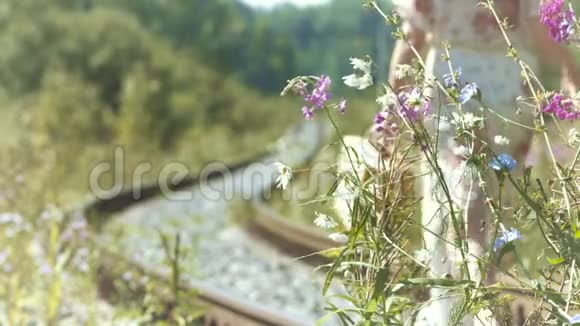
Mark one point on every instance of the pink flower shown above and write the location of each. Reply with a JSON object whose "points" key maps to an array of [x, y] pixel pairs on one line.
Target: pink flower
{"points": [[562, 108], [560, 23], [308, 113], [413, 106]]}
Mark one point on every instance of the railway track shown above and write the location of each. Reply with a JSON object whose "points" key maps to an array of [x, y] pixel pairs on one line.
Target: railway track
{"points": [[244, 275]]}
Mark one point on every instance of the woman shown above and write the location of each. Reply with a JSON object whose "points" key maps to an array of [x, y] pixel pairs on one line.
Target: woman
{"points": [[478, 48]]}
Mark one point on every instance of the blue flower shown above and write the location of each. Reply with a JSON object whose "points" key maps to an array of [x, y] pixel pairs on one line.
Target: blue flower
{"points": [[574, 320], [467, 93], [506, 237], [448, 78], [503, 162]]}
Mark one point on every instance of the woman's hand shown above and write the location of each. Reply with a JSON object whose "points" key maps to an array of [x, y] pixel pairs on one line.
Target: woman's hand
{"points": [[570, 80], [404, 54], [553, 54]]}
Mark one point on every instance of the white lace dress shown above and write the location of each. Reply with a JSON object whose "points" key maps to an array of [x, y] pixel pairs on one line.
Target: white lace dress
{"points": [[479, 49]]}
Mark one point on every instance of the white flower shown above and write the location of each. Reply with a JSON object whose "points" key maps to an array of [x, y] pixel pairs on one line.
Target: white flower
{"points": [[415, 97], [460, 150], [404, 71], [388, 99], [574, 137], [362, 65], [501, 140], [469, 120], [362, 82], [284, 177], [324, 221], [338, 237]]}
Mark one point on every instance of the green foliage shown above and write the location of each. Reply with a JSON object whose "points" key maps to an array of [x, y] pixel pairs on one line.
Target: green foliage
{"points": [[85, 78], [264, 48]]}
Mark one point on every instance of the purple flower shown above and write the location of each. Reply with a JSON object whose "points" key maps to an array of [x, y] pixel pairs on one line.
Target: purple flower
{"points": [[320, 94], [450, 79], [308, 113], [574, 320], [380, 118], [562, 108], [413, 106], [560, 23], [503, 162], [317, 98], [506, 237], [342, 106], [385, 125], [467, 93]]}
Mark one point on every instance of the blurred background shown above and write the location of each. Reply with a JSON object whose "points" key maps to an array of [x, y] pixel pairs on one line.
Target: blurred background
{"points": [[189, 81], [186, 80]]}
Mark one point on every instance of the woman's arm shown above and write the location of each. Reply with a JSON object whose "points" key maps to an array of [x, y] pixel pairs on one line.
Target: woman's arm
{"points": [[553, 54], [403, 54]]}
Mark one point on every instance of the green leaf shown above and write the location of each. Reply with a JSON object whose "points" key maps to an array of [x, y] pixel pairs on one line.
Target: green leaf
{"points": [[332, 252], [443, 282], [333, 268], [372, 307], [380, 282], [556, 261]]}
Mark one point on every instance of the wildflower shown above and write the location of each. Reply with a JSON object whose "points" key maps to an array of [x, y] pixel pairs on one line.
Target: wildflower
{"points": [[308, 113], [562, 108], [560, 22], [338, 237], [501, 140], [451, 79], [342, 106], [362, 65], [317, 98], [461, 151], [320, 94], [284, 177], [324, 221], [574, 320], [359, 81], [404, 71], [467, 93], [503, 162], [506, 237], [380, 119], [388, 99], [413, 105], [383, 124], [468, 120], [362, 82]]}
